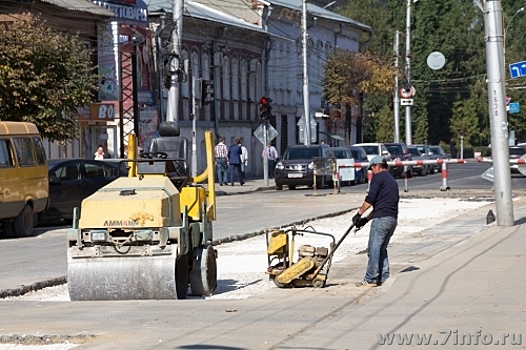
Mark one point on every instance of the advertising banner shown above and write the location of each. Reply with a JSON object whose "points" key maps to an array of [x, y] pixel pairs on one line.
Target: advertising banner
{"points": [[148, 126], [109, 87]]}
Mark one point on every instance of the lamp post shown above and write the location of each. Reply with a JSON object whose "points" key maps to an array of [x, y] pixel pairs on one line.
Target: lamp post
{"points": [[408, 130]]}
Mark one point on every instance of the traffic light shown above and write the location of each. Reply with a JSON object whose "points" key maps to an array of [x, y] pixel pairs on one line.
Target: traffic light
{"points": [[207, 92], [461, 131], [265, 110]]}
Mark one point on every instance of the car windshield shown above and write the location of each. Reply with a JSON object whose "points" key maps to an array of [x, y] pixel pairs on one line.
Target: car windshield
{"points": [[356, 155], [415, 152], [421, 148], [371, 149], [340, 154], [394, 149], [435, 150], [301, 153]]}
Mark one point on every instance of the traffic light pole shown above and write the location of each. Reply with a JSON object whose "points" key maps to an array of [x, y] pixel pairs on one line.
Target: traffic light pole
{"points": [[265, 147]]}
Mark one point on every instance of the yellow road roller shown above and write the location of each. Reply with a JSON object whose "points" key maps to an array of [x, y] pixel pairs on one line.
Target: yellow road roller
{"points": [[311, 268], [148, 235]]}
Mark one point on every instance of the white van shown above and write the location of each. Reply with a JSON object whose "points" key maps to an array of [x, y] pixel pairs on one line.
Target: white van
{"points": [[24, 185]]}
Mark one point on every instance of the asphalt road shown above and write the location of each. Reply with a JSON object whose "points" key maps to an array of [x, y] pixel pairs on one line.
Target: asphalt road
{"points": [[28, 261], [42, 257]]}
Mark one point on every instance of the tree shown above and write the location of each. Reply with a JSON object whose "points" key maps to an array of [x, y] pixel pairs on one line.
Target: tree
{"points": [[348, 75], [44, 77]]}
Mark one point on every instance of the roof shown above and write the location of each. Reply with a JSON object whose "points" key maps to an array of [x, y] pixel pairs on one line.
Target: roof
{"points": [[319, 12], [200, 11], [81, 6]]}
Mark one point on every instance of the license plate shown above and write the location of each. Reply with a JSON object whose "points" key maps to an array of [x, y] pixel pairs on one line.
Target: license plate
{"points": [[295, 176]]}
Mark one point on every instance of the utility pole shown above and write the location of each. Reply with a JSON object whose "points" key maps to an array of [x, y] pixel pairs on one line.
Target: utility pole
{"points": [[196, 86], [306, 128], [175, 60], [497, 111], [408, 132], [396, 99]]}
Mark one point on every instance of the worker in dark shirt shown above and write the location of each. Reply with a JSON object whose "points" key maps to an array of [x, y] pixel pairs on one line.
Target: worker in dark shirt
{"points": [[383, 196]]}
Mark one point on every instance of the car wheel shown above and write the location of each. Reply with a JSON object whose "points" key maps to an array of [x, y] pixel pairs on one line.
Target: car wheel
{"points": [[432, 169], [292, 187], [410, 172], [24, 222], [423, 172], [279, 187]]}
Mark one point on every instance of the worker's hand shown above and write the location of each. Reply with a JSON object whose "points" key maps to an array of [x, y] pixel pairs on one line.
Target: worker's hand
{"points": [[362, 222], [356, 220]]}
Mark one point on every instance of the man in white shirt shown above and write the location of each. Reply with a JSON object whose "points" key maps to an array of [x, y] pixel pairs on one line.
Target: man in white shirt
{"points": [[271, 153], [244, 159]]}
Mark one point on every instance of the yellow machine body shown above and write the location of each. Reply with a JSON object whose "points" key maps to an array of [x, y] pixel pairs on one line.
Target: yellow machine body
{"points": [[153, 203], [146, 236]]}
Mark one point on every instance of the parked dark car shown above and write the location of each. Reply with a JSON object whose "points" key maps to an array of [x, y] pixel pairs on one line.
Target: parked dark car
{"points": [[424, 149], [72, 180], [400, 152], [296, 166], [360, 156], [437, 153], [421, 170]]}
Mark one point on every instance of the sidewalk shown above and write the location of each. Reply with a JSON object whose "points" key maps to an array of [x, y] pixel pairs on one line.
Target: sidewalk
{"points": [[250, 185], [467, 295]]}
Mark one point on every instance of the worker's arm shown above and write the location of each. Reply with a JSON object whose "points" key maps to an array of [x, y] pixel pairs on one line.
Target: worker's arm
{"points": [[365, 206]]}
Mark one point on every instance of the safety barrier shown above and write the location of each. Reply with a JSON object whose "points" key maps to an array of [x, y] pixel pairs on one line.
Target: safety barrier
{"points": [[314, 173], [406, 163], [512, 161]]}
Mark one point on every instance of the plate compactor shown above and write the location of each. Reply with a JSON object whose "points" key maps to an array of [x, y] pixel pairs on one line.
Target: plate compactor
{"points": [[148, 235], [313, 263]]}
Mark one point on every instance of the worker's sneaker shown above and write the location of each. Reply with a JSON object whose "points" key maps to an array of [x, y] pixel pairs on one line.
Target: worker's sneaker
{"points": [[364, 283]]}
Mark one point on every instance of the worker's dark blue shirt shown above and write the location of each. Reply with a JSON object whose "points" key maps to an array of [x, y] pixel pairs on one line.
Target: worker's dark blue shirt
{"points": [[383, 195]]}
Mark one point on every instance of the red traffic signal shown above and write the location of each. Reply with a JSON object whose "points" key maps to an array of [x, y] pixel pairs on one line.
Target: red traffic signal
{"points": [[263, 100]]}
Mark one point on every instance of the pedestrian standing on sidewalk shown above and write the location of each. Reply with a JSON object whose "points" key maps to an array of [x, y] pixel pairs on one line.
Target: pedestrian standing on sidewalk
{"points": [[271, 153], [234, 161], [99, 155], [221, 153], [384, 197], [244, 160], [453, 148]]}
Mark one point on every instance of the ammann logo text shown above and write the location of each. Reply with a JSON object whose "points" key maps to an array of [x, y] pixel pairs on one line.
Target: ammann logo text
{"points": [[120, 223]]}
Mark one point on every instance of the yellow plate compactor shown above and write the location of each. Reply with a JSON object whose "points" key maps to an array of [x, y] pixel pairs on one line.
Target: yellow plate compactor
{"points": [[149, 235], [312, 265]]}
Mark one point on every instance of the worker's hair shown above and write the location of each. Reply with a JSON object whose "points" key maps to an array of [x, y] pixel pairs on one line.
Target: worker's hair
{"points": [[238, 141], [383, 164]]}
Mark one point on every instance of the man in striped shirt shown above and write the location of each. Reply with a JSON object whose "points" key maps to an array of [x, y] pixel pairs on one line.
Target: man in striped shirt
{"points": [[221, 151]]}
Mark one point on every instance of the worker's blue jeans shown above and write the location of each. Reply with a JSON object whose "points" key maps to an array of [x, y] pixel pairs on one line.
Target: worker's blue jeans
{"points": [[381, 231]]}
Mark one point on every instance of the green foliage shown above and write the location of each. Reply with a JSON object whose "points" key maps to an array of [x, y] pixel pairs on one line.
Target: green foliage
{"points": [[456, 95], [44, 77], [384, 125]]}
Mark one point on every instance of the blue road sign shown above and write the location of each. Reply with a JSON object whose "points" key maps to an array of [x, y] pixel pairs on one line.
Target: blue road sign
{"points": [[518, 69], [514, 107]]}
